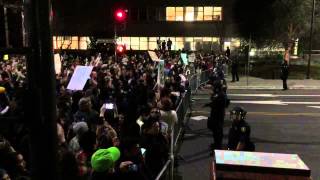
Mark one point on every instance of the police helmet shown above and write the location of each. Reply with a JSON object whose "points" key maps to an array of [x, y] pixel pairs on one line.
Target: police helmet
{"points": [[238, 111]]}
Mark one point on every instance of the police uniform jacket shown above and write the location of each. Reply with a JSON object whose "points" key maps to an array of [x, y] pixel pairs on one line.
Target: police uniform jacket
{"points": [[239, 132]]}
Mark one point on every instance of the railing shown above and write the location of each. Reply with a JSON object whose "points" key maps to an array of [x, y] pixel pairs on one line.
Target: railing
{"points": [[198, 79], [195, 81]]}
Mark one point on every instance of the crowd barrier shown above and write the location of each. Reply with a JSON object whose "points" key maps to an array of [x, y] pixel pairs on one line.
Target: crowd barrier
{"points": [[195, 81]]}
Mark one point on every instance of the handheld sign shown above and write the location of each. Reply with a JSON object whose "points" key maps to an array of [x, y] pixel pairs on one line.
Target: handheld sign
{"points": [[160, 78], [184, 58], [79, 78], [57, 63], [153, 56]]}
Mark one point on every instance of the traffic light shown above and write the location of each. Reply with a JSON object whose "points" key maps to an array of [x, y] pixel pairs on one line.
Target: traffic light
{"points": [[120, 48], [120, 15]]}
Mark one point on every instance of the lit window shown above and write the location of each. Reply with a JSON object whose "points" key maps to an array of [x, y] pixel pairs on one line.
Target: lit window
{"points": [[217, 13], [152, 44], [207, 39], [215, 39], [179, 13], [179, 43], [171, 13], [226, 44], [143, 43], [84, 42], [199, 14], [208, 12], [74, 42], [189, 15], [126, 41], [189, 39], [134, 43]]}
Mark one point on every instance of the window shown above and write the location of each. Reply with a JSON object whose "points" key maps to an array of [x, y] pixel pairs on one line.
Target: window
{"points": [[134, 14], [189, 15], [188, 43], [84, 42], [208, 12], [179, 43], [143, 43], [134, 43], [199, 14], [179, 13], [171, 13], [74, 44], [152, 44], [152, 14], [143, 14], [217, 13]]}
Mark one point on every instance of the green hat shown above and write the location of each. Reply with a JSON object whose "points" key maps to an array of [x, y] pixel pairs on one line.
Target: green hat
{"points": [[104, 159]]}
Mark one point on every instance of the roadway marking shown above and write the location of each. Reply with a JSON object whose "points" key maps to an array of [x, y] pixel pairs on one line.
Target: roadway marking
{"points": [[269, 113], [317, 107], [276, 102], [274, 95]]}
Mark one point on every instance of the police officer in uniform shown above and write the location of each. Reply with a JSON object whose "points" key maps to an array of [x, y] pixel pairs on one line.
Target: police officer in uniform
{"points": [[234, 70], [217, 114], [239, 133], [284, 74]]}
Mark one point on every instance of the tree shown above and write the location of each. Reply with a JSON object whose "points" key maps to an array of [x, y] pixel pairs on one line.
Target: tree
{"points": [[271, 22]]}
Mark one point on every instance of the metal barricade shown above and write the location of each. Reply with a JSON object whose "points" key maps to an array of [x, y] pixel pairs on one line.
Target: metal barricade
{"points": [[185, 103]]}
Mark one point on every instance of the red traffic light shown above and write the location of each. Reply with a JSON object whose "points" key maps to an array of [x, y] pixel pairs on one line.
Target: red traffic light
{"points": [[121, 48], [120, 15]]}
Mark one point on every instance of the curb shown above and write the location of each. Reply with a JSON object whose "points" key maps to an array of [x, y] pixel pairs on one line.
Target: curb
{"points": [[275, 87]]}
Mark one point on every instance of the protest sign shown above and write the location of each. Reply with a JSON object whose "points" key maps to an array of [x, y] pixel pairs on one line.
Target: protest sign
{"points": [[184, 58], [153, 56], [160, 78], [79, 78], [57, 63]]}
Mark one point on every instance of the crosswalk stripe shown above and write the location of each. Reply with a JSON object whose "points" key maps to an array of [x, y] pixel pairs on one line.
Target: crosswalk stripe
{"points": [[269, 113]]}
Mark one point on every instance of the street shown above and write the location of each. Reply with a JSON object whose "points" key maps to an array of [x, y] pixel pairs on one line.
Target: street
{"points": [[281, 122]]}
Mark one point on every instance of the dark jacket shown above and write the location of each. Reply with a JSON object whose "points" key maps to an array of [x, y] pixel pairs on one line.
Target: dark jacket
{"points": [[218, 105], [240, 132], [284, 70]]}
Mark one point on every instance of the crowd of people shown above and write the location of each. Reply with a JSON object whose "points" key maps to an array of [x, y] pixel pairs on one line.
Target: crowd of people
{"points": [[118, 126]]}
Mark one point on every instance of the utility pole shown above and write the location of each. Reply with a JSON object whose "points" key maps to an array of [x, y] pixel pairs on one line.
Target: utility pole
{"points": [[6, 26], [41, 91], [311, 38]]}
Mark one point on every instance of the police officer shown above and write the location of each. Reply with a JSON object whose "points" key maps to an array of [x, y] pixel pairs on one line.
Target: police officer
{"points": [[284, 74], [234, 70], [239, 133], [216, 119]]}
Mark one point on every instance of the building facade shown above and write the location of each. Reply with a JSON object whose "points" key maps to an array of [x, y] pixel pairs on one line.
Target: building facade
{"points": [[190, 24]]}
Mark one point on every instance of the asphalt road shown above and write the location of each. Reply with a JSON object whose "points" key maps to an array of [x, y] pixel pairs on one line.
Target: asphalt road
{"points": [[281, 122]]}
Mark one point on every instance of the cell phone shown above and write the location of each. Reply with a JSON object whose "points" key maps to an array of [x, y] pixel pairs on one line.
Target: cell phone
{"points": [[133, 168], [109, 106]]}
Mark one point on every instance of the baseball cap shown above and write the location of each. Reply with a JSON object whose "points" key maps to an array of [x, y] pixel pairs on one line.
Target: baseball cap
{"points": [[104, 159]]}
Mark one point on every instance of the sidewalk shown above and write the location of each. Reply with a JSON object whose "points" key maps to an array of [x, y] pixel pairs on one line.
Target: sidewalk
{"points": [[258, 83]]}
